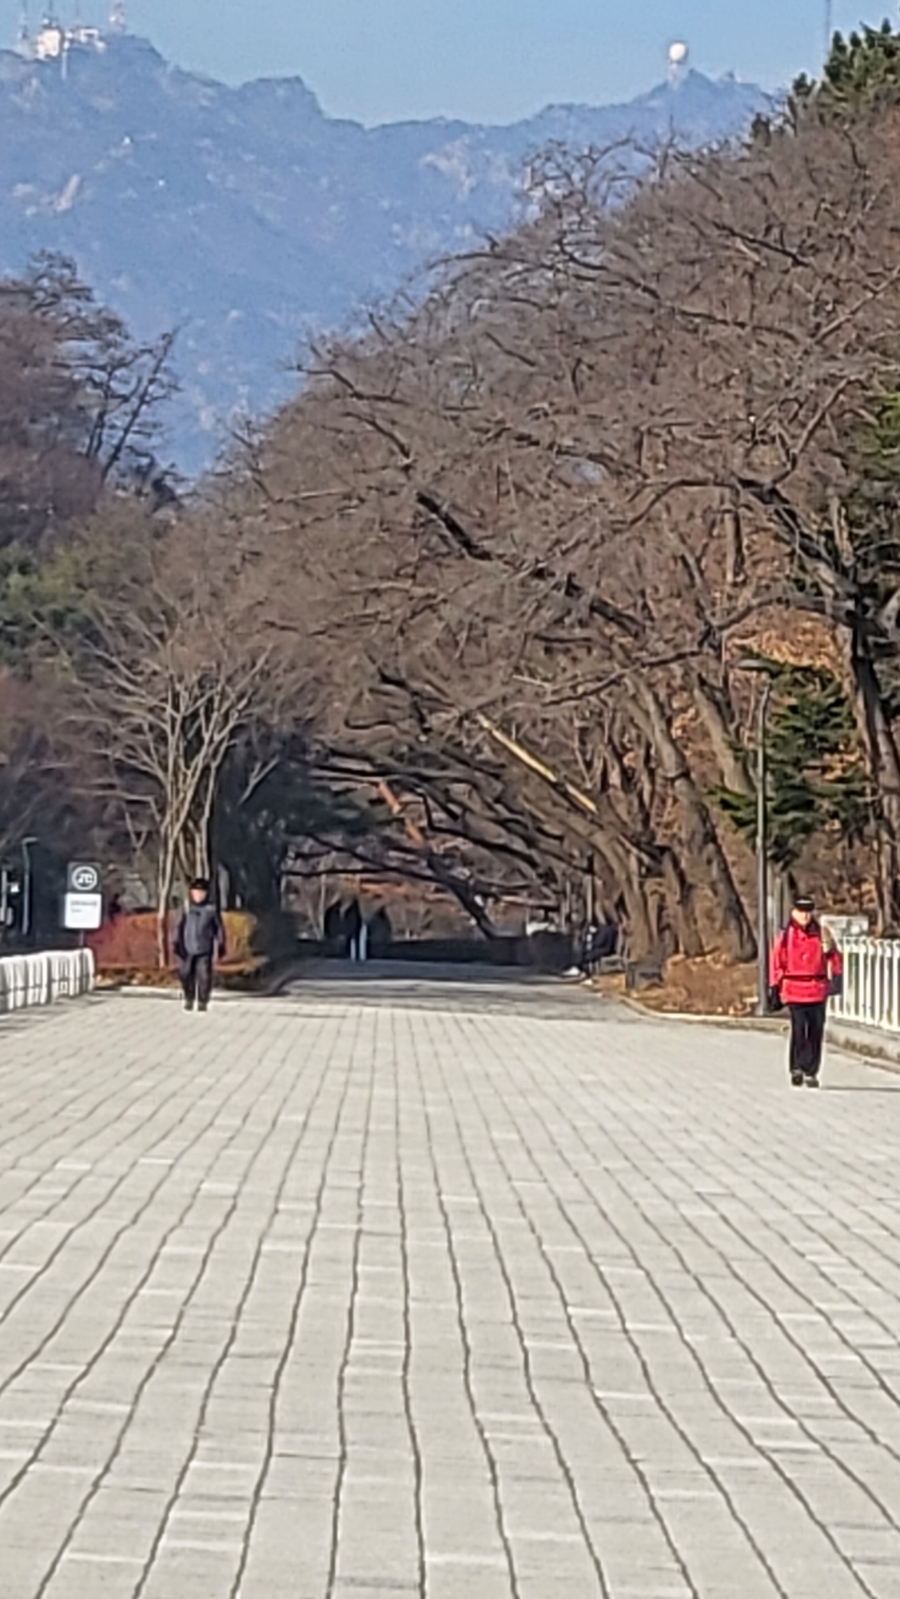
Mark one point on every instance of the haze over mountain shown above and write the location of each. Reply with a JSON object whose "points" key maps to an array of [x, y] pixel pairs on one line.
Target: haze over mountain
{"points": [[249, 219]]}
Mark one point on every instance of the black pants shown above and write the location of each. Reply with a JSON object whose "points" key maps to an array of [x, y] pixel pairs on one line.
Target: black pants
{"points": [[807, 1037], [196, 973]]}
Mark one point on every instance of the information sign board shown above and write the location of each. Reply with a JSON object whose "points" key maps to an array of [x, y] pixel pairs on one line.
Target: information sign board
{"points": [[83, 913], [83, 904]]}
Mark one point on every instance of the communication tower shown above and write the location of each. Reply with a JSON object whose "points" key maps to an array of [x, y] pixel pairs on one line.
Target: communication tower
{"points": [[829, 26], [50, 39], [679, 55], [52, 42]]}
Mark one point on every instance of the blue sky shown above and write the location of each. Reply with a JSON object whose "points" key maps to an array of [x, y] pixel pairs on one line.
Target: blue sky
{"points": [[487, 60]]}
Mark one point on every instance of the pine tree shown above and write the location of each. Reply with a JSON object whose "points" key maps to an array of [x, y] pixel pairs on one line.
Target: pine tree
{"points": [[817, 781], [862, 71]]}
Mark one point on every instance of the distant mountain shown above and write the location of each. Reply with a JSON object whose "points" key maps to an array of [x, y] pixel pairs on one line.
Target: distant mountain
{"points": [[249, 218]]}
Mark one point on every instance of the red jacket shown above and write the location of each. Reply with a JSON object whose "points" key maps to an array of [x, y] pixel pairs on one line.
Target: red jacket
{"points": [[802, 964]]}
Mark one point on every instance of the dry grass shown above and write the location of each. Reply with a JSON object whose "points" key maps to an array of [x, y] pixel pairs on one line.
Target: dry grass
{"points": [[709, 986]]}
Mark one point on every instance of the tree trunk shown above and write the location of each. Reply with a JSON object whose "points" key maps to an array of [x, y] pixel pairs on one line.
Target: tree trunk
{"points": [[680, 900], [462, 892], [713, 709], [465, 896], [642, 932], [627, 869], [203, 828], [735, 552], [585, 818], [731, 921], [165, 879]]}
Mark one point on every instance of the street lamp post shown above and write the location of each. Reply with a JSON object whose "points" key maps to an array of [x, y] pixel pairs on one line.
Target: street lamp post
{"points": [[26, 887], [761, 668], [762, 858]]}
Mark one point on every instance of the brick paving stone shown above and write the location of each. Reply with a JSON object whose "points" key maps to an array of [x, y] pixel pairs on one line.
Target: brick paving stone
{"points": [[463, 1290]]}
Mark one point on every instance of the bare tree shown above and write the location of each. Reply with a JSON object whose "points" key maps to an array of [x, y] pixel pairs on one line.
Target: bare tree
{"points": [[608, 453], [172, 673]]}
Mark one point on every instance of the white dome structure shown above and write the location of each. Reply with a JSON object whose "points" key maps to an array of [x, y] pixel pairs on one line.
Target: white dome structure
{"points": [[679, 55]]}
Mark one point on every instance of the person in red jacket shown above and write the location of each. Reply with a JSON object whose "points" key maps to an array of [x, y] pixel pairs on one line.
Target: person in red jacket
{"points": [[805, 968]]}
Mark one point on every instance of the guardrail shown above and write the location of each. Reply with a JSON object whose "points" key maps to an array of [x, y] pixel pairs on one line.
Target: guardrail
{"points": [[871, 983], [39, 979]]}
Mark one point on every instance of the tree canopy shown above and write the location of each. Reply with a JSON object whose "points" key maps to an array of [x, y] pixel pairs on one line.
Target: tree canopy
{"points": [[862, 72]]}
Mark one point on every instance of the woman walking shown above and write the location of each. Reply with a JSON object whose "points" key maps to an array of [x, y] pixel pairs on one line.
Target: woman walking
{"points": [[805, 968]]}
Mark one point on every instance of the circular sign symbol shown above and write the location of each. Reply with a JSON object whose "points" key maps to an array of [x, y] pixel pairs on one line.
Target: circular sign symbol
{"points": [[85, 879]]}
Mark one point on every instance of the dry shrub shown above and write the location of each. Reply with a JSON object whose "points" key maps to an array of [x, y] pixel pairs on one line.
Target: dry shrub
{"points": [[709, 986], [127, 943]]}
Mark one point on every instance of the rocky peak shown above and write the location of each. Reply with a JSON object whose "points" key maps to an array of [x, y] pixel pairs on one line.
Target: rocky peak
{"points": [[249, 218]]}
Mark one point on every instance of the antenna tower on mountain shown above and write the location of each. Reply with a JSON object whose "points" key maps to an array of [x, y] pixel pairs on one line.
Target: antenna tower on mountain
{"points": [[679, 56], [829, 26], [117, 16]]}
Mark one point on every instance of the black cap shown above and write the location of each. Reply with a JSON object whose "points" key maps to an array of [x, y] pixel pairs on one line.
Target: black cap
{"points": [[804, 902], [201, 884]]}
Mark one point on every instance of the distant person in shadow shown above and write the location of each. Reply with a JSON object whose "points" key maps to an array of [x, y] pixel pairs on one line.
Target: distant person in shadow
{"points": [[333, 928], [601, 941], [199, 938], [352, 928], [380, 933]]}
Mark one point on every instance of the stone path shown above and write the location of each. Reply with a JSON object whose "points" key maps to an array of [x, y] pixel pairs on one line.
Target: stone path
{"points": [[466, 1292]]}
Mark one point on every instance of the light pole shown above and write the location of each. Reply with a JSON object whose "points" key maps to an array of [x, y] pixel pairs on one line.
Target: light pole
{"points": [[762, 837], [26, 886], [762, 857]]}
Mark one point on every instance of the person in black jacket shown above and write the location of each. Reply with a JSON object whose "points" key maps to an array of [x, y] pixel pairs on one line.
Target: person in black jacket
{"points": [[199, 938], [352, 926]]}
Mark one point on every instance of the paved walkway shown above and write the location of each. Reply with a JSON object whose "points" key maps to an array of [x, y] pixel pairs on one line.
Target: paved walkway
{"points": [[466, 1293]]}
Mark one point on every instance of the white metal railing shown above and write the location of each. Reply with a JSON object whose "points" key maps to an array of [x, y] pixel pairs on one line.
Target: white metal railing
{"points": [[40, 979], [871, 983]]}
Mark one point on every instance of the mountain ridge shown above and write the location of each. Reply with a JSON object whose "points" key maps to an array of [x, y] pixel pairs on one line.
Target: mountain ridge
{"points": [[250, 219]]}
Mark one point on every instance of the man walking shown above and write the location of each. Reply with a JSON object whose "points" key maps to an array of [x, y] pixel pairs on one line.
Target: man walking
{"points": [[804, 969], [352, 929], [199, 938]]}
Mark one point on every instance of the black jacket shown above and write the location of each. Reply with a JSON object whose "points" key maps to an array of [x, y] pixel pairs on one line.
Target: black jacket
{"points": [[199, 932]]}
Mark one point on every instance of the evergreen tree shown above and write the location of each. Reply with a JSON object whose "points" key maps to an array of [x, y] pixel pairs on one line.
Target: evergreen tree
{"points": [[816, 777], [862, 70]]}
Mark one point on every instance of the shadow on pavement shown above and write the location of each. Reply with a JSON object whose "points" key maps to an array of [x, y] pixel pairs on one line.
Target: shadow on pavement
{"points": [[422, 985], [396, 971], [861, 1088]]}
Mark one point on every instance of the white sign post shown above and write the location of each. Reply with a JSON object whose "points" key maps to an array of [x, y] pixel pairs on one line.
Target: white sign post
{"points": [[83, 913], [83, 904]]}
